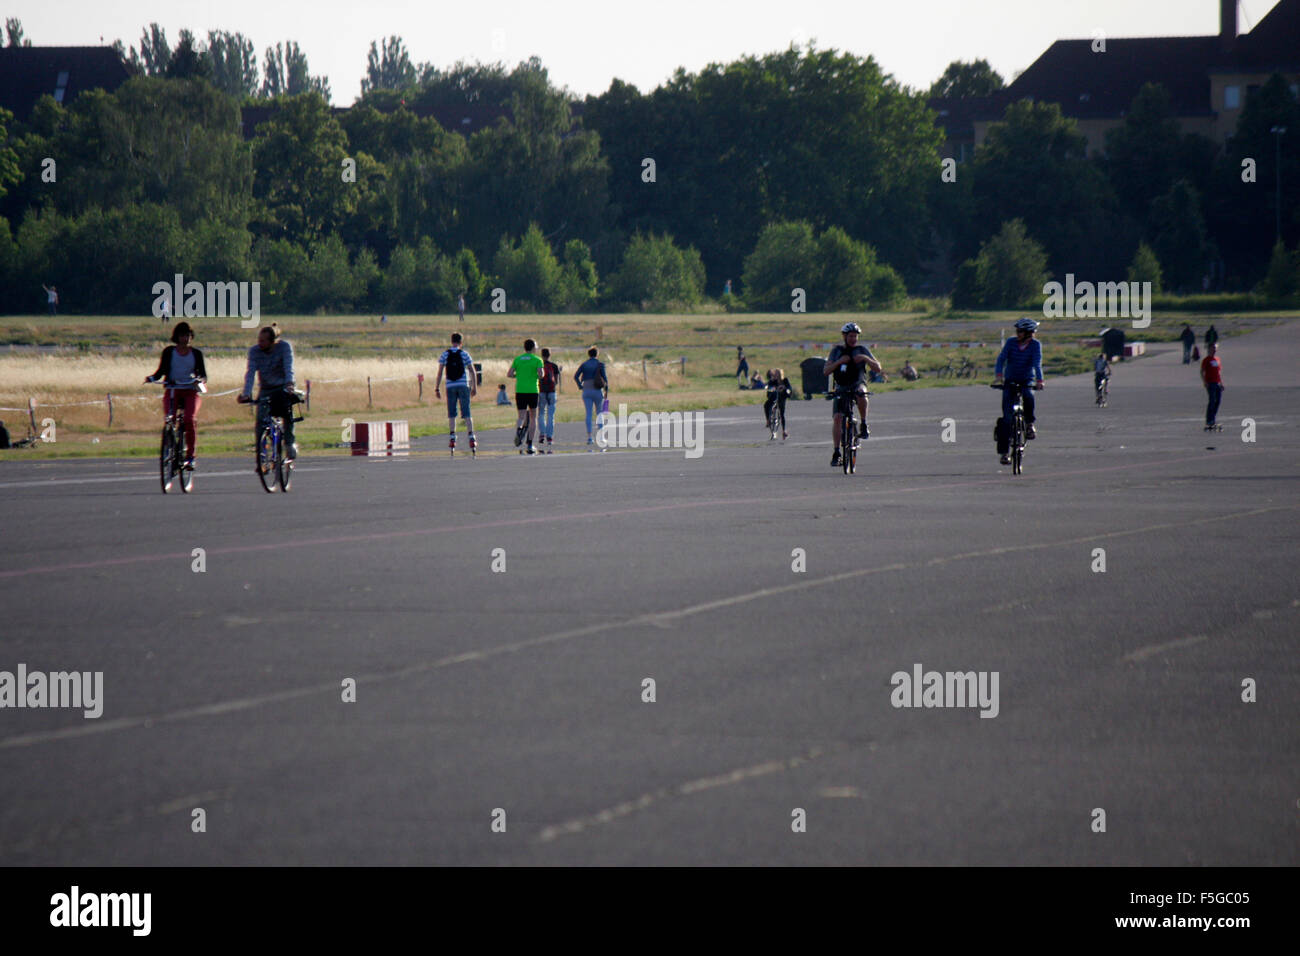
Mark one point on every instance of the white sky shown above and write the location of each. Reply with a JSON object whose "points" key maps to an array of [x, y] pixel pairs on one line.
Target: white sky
{"points": [[586, 43]]}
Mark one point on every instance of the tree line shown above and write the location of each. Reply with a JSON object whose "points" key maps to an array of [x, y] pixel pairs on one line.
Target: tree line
{"points": [[804, 168]]}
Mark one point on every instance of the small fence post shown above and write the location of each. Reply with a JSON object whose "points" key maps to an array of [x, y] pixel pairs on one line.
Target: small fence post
{"points": [[683, 366], [308, 394], [645, 379], [31, 412], [110, 409], [420, 378], [370, 396]]}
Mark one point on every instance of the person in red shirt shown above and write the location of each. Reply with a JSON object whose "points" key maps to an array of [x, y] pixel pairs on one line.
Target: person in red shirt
{"points": [[1212, 376]]}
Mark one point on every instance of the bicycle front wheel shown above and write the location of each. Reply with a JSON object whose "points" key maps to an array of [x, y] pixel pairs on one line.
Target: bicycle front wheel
{"points": [[284, 468], [167, 460], [266, 469], [1017, 445]]}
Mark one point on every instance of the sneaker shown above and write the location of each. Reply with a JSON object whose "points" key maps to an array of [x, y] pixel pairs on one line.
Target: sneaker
{"points": [[1031, 433], [1005, 459], [531, 449], [189, 464], [835, 459], [520, 431], [451, 441], [473, 442], [784, 435]]}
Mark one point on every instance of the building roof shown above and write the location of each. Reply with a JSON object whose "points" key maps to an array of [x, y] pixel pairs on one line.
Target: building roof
{"points": [[29, 72]]}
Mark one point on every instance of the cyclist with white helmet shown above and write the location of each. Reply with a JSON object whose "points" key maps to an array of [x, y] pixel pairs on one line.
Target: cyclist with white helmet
{"points": [[848, 364], [1022, 361]]}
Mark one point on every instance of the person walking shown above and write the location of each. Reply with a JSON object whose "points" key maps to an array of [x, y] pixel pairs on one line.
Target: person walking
{"points": [[525, 370], [548, 385], [1212, 377], [594, 383], [462, 384], [460, 305], [1211, 337], [51, 298], [1188, 339], [742, 365]]}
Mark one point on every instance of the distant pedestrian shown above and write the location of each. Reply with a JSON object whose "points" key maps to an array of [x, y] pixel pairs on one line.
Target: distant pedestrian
{"points": [[742, 365], [1212, 376], [165, 309], [525, 370], [548, 384], [462, 384], [1189, 340], [1211, 337], [726, 287], [51, 298], [591, 378], [502, 397], [460, 305]]}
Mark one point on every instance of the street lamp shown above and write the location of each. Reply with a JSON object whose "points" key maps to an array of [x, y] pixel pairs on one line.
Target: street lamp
{"points": [[1277, 132]]}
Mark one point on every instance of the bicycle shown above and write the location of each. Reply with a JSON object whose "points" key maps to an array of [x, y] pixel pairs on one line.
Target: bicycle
{"points": [[845, 403], [273, 467], [774, 423], [947, 371], [1019, 427], [968, 369], [1103, 391], [171, 452]]}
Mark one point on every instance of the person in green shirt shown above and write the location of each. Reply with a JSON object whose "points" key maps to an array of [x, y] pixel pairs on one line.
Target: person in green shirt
{"points": [[524, 370]]}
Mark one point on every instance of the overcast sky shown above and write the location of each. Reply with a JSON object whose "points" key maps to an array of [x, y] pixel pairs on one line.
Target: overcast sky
{"points": [[586, 43]]}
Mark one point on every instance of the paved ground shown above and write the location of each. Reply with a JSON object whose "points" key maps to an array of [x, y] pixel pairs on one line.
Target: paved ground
{"points": [[523, 690]]}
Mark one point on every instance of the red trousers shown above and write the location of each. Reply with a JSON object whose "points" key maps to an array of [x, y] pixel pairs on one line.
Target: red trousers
{"points": [[188, 400]]}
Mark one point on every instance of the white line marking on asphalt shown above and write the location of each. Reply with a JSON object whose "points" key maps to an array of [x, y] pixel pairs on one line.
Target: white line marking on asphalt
{"points": [[1151, 650], [198, 474], [628, 807], [654, 618]]}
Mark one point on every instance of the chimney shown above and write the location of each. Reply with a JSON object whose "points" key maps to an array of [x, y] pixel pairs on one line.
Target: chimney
{"points": [[1227, 21]]}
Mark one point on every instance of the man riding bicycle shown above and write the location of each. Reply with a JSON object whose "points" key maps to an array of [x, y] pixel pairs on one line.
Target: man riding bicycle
{"points": [[271, 360], [1022, 360], [1100, 371], [847, 365]]}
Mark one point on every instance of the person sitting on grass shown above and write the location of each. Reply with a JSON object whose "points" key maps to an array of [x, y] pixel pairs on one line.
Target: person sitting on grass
{"points": [[909, 372], [502, 397]]}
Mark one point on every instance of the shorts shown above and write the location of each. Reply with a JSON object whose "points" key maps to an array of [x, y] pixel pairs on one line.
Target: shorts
{"points": [[458, 395], [525, 400]]}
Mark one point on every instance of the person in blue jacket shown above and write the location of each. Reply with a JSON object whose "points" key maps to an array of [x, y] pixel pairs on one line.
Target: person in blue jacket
{"points": [[1021, 362]]}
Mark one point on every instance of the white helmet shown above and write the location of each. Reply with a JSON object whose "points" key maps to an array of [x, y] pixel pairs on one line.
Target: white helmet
{"points": [[1027, 324], [850, 327]]}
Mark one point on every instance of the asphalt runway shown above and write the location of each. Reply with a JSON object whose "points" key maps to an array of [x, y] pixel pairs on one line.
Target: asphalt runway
{"points": [[517, 695]]}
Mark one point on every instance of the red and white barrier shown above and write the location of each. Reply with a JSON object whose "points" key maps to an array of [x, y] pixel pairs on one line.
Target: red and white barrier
{"points": [[1133, 349], [381, 439]]}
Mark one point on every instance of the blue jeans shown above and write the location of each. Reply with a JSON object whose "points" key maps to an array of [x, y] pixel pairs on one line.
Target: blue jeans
{"points": [[1215, 391], [1029, 403], [592, 398], [458, 395], [546, 414]]}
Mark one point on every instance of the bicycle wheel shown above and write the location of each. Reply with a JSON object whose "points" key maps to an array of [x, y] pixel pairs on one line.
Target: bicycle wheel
{"points": [[186, 474], [846, 443], [266, 470], [167, 459], [283, 467], [1017, 443]]}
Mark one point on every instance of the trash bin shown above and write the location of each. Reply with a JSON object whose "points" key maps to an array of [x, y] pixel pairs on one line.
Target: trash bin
{"points": [[1112, 342], [814, 381], [478, 374]]}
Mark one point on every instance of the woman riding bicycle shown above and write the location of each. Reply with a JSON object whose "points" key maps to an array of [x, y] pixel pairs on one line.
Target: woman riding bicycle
{"points": [[1022, 359], [183, 373], [778, 390]]}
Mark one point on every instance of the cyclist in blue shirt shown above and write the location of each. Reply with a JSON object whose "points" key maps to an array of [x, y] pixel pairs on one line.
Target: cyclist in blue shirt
{"points": [[848, 364], [1022, 361]]}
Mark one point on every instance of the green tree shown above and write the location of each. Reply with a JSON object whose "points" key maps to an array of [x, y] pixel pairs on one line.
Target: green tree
{"points": [[1033, 166], [1283, 277], [1009, 271], [14, 31], [578, 279], [389, 68], [784, 259], [188, 60], [1146, 268], [529, 271], [657, 274], [961, 80], [155, 55], [1180, 239], [298, 164], [286, 72], [234, 64]]}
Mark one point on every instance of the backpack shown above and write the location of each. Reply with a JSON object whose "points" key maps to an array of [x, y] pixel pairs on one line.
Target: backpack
{"points": [[455, 365], [547, 381]]}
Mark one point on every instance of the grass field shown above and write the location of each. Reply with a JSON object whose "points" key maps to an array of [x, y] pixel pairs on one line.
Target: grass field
{"points": [[69, 360]]}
